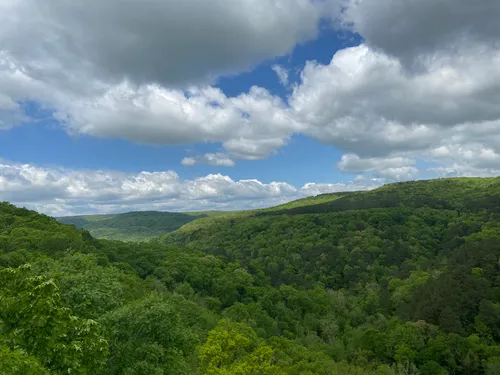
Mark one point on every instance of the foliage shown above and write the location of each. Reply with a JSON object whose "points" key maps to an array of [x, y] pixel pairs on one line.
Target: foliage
{"points": [[33, 319], [404, 279], [16, 362], [148, 337], [130, 226], [233, 348]]}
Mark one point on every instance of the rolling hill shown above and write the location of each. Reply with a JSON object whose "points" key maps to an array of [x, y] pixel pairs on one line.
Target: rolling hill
{"points": [[404, 279], [131, 226], [146, 225]]}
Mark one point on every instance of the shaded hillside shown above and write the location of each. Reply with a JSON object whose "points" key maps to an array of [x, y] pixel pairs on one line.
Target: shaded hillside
{"points": [[25, 233], [456, 194], [216, 216], [470, 194], [131, 226]]}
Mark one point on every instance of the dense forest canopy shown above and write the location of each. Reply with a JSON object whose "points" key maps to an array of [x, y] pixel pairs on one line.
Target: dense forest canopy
{"points": [[404, 279]]}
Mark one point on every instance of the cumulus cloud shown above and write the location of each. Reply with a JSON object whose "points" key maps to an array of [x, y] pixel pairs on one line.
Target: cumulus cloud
{"points": [[363, 101], [415, 30], [312, 188], [189, 161], [471, 159], [59, 191], [365, 104], [153, 41], [475, 155], [157, 115], [218, 159], [130, 74]]}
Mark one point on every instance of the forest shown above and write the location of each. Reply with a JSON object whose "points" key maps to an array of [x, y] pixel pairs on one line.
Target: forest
{"points": [[404, 279], [131, 226]]}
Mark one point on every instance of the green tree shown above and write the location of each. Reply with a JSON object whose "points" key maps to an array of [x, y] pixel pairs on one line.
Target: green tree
{"points": [[34, 321], [148, 337], [15, 362], [232, 348]]}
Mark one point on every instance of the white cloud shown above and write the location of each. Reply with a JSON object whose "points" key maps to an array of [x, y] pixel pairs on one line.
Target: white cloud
{"points": [[353, 163], [152, 114], [472, 159], [390, 168], [312, 188], [214, 159], [156, 115], [170, 42], [475, 155], [129, 74], [282, 74], [59, 191], [364, 102], [461, 170], [189, 161]]}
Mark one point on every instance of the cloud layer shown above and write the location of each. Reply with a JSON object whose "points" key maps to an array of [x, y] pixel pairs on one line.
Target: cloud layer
{"points": [[64, 192], [153, 41], [416, 30], [424, 90]]}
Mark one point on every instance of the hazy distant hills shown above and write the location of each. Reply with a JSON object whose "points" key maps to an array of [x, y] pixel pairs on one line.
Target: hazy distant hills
{"points": [[455, 194], [145, 225], [131, 226]]}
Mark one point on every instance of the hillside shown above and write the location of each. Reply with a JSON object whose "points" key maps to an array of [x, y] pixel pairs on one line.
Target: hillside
{"points": [[146, 225], [216, 216], [404, 279], [131, 226], [470, 194]]}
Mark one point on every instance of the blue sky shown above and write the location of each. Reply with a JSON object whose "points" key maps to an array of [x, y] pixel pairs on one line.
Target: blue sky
{"points": [[144, 112], [302, 161]]}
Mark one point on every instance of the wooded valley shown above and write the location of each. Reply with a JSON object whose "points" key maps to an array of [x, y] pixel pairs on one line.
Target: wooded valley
{"points": [[404, 279]]}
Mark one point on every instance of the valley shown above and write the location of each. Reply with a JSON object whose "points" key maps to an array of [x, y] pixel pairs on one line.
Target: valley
{"points": [[403, 279], [131, 226]]}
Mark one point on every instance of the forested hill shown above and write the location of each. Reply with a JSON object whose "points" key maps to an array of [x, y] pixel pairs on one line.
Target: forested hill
{"points": [[462, 194], [146, 225], [424, 251], [131, 226], [404, 279]]}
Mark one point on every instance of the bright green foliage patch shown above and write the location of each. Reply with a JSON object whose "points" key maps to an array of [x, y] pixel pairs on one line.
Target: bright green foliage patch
{"points": [[33, 320]]}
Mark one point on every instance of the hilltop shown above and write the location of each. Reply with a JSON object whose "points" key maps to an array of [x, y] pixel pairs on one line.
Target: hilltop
{"points": [[446, 193]]}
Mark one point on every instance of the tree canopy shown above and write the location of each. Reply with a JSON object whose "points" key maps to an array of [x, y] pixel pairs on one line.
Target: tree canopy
{"points": [[404, 279]]}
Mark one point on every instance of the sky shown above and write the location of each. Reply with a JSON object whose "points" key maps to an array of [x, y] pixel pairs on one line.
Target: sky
{"points": [[188, 105]]}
